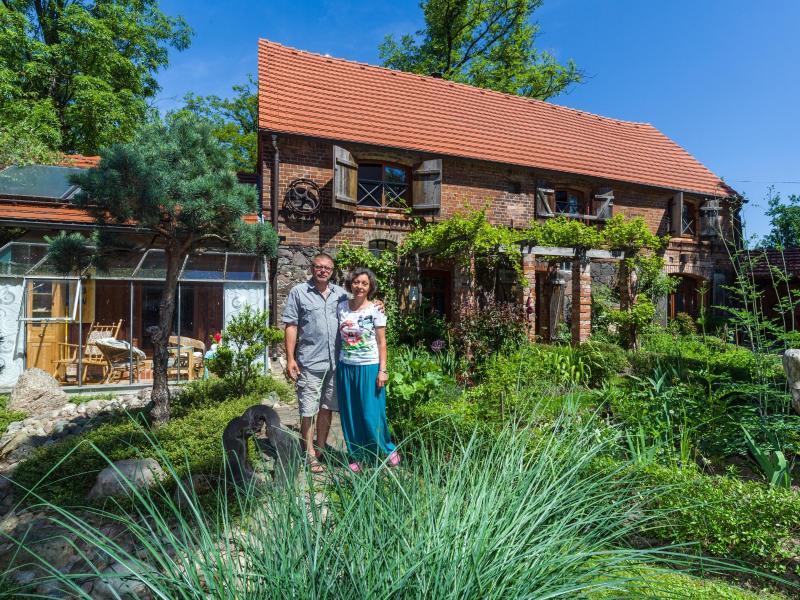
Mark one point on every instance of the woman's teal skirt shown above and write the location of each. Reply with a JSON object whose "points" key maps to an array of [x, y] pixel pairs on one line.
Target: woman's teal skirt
{"points": [[362, 406]]}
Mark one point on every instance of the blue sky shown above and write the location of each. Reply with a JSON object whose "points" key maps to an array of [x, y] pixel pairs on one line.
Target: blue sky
{"points": [[720, 77]]}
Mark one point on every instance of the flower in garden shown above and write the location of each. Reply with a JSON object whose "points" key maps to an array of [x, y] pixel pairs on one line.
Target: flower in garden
{"points": [[437, 345], [217, 337]]}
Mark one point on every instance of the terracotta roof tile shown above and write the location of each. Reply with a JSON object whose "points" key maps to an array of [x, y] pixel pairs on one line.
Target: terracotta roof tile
{"points": [[79, 160], [310, 94], [43, 213], [763, 260]]}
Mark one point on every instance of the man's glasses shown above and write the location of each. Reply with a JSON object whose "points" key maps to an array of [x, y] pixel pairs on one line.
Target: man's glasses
{"points": [[322, 268]]}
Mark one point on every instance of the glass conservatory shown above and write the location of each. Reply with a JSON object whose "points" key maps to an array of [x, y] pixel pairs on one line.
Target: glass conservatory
{"points": [[96, 329]]}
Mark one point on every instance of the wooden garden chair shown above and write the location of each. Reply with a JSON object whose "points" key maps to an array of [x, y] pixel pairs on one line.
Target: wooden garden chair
{"points": [[92, 357], [186, 357]]}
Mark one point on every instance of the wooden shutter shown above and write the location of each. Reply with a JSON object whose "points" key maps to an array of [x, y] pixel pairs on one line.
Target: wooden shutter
{"points": [[604, 203], [545, 199], [426, 193], [345, 180], [676, 215]]}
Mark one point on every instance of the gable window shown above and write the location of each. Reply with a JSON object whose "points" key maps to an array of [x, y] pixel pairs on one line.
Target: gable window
{"points": [[570, 202], [383, 185]]}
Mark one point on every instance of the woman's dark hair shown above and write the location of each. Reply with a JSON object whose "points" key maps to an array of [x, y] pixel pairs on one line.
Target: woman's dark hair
{"points": [[373, 281]]}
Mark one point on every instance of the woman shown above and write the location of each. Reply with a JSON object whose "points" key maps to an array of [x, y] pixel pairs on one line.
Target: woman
{"points": [[361, 374]]}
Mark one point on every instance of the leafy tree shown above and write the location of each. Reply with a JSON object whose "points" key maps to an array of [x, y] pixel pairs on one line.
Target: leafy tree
{"points": [[235, 121], [82, 72], [486, 43], [784, 222], [177, 183]]}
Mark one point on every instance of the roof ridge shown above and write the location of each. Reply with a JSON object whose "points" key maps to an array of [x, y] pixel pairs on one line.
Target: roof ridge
{"points": [[439, 80]]}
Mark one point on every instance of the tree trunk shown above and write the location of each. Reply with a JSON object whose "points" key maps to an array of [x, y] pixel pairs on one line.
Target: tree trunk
{"points": [[166, 311]]}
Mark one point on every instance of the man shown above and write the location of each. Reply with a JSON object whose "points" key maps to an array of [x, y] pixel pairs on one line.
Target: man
{"points": [[311, 351]]}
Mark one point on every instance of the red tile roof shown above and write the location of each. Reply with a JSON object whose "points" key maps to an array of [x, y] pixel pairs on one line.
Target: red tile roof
{"points": [[310, 94], [763, 260], [79, 161], [53, 213]]}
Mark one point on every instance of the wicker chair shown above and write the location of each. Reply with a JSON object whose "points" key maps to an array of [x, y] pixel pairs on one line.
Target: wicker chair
{"points": [[118, 354]]}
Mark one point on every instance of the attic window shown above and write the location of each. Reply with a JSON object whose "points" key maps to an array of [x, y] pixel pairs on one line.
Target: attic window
{"points": [[383, 186], [570, 202], [514, 187]]}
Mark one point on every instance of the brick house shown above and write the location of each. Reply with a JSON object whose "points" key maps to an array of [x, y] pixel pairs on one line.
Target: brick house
{"points": [[347, 150]]}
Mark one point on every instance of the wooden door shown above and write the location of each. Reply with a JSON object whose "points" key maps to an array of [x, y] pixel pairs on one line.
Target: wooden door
{"points": [[45, 300]]}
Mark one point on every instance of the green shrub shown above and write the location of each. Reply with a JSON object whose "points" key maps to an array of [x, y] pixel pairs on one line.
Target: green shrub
{"points": [[239, 356], [683, 324], [483, 330], [193, 442], [8, 416], [205, 393], [416, 378], [604, 361], [728, 517]]}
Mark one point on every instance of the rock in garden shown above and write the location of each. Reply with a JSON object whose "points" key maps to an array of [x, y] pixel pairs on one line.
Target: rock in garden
{"points": [[130, 472], [791, 366], [119, 581], [36, 392]]}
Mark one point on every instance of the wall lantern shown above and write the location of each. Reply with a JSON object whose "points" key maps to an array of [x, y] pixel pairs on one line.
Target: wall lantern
{"points": [[710, 212]]}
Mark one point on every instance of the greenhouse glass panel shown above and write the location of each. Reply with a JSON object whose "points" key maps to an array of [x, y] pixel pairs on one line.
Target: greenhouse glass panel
{"points": [[204, 267], [38, 181], [244, 267], [18, 258]]}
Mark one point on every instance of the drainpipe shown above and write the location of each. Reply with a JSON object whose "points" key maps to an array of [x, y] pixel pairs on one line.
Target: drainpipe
{"points": [[273, 272]]}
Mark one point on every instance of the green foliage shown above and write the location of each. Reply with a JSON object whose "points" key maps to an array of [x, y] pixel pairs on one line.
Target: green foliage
{"points": [[8, 416], [235, 121], [603, 360], [486, 44], [82, 73], [682, 325], [240, 354], [421, 326], [772, 463], [483, 330], [415, 378], [631, 235], [784, 221], [727, 517], [384, 265], [207, 393], [469, 237], [567, 233], [192, 442]]}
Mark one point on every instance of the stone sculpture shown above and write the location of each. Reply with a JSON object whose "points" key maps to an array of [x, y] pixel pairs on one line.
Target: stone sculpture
{"points": [[791, 366], [280, 443]]}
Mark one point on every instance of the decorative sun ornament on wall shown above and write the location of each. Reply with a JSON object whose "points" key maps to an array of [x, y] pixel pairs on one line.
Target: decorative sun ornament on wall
{"points": [[302, 202]]}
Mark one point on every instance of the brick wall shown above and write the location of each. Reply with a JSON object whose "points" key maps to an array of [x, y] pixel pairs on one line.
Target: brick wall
{"points": [[507, 193]]}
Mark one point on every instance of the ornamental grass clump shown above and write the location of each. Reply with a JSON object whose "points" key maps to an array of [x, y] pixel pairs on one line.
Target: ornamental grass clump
{"points": [[517, 515]]}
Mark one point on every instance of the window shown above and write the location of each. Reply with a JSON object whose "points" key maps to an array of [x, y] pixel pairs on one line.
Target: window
{"points": [[383, 186], [688, 219], [377, 247], [570, 202]]}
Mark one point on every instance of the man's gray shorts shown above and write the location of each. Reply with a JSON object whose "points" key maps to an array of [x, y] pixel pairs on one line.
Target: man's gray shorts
{"points": [[315, 390]]}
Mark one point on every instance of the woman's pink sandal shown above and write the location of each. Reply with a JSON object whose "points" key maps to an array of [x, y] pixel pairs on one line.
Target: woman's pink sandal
{"points": [[355, 467], [394, 459]]}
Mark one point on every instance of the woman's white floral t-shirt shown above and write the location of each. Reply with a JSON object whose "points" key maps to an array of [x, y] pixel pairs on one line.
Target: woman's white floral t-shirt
{"points": [[357, 328]]}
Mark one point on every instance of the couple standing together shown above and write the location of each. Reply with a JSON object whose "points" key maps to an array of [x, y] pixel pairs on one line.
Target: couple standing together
{"points": [[336, 355]]}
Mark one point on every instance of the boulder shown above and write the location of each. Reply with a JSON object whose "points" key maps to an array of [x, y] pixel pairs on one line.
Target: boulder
{"points": [[120, 581], [117, 480], [791, 367], [36, 392]]}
